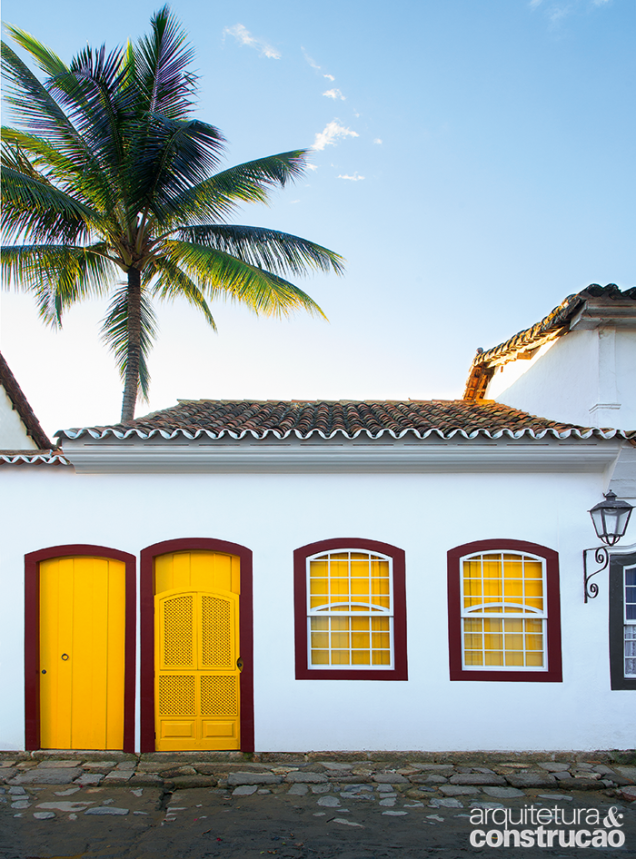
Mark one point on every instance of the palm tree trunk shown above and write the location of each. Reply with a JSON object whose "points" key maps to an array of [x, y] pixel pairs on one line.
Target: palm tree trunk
{"points": [[131, 382]]}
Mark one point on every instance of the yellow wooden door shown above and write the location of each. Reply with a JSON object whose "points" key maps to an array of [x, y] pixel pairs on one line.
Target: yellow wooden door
{"points": [[197, 697], [82, 638]]}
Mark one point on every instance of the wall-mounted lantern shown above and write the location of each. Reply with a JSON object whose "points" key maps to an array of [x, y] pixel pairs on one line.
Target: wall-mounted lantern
{"points": [[610, 519]]}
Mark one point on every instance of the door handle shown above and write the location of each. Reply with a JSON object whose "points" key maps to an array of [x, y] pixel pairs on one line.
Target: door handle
{"points": [[65, 657], [239, 664]]}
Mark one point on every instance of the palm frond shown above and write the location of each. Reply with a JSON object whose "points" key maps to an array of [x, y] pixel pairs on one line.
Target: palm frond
{"points": [[57, 275], [216, 197], [33, 206], [115, 334], [170, 282], [164, 86], [221, 275], [281, 253], [40, 115]]}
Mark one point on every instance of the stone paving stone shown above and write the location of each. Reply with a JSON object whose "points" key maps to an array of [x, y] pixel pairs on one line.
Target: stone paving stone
{"points": [[58, 764], [628, 793], [7, 774], [448, 802], [581, 784], [320, 788], [5, 764], [126, 765], [243, 778], [439, 768], [457, 790], [89, 778], [17, 791], [107, 809], [475, 804], [99, 766], [478, 778], [64, 775], [185, 781], [562, 776], [531, 780], [336, 766], [395, 813], [64, 806], [628, 772], [21, 803], [118, 777], [350, 778], [389, 801], [384, 788], [389, 778], [245, 790], [306, 777], [345, 822], [555, 796], [145, 780], [433, 778], [503, 792], [44, 815], [329, 802], [553, 766], [298, 790]]}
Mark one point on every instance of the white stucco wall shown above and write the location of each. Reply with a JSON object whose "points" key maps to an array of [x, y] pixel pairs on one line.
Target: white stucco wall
{"points": [[13, 434], [586, 377], [272, 514]]}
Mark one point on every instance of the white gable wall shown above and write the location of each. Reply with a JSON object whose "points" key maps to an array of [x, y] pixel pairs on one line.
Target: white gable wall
{"points": [[586, 377], [424, 514], [13, 434]]}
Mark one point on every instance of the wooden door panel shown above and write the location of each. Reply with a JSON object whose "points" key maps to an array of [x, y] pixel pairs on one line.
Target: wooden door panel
{"points": [[82, 634], [196, 641]]}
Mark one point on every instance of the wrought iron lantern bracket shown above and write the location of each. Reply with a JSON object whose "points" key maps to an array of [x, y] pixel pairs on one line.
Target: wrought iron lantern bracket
{"points": [[602, 557]]}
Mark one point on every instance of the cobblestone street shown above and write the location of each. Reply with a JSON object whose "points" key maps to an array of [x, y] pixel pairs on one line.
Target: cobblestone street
{"points": [[181, 806]]}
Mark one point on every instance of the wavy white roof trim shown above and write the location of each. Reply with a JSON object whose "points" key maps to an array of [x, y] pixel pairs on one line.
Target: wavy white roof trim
{"points": [[515, 434], [28, 459]]}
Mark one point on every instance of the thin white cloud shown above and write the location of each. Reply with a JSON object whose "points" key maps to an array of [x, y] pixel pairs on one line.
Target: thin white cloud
{"points": [[534, 3], [334, 93], [355, 178], [244, 37], [311, 166], [332, 131], [378, 141], [329, 77], [309, 59]]}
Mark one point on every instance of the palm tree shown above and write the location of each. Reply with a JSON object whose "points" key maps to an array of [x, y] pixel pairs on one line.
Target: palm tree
{"points": [[108, 171]]}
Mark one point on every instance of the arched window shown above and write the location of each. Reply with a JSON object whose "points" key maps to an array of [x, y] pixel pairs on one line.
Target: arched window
{"points": [[350, 611], [504, 612]]}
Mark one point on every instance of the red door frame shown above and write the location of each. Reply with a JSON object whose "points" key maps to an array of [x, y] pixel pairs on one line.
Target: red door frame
{"points": [[147, 622], [32, 635]]}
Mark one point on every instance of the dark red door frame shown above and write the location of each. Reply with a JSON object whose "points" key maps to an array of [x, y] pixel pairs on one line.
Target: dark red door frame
{"points": [[32, 636], [147, 622]]}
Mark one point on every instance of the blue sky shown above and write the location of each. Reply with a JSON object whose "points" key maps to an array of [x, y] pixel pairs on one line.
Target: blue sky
{"points": [[474, 163]]}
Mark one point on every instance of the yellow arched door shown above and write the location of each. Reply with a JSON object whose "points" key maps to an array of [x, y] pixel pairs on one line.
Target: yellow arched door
{"points": [[197, 695], [82, 637]]}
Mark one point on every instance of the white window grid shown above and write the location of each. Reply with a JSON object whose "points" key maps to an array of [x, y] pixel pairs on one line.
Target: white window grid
{"points": [[337, 610], [478, 611], [629, 592]]}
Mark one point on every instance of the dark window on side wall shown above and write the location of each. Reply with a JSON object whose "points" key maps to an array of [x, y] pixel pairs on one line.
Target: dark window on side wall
{"points": [[622, 621]]}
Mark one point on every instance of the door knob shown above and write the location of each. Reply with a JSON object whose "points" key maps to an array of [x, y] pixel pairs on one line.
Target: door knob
{"points": [[239, 664], [65, 657]]}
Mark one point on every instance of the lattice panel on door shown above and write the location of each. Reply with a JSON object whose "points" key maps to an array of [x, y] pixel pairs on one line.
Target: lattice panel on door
{"points": [[216, 643], [177, 631], [176, 695], [219, 696]]}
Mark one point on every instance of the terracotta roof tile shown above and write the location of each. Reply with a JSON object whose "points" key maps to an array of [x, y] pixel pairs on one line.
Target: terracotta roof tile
{"points": [[326, 419], [553, 325]]}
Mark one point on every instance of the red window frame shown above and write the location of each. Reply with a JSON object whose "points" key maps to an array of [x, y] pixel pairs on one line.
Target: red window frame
{"points": [[553, 604], [400, 669]]}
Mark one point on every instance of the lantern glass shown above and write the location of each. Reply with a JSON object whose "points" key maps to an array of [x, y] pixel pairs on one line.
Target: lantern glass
{"points": [[610, 518]]}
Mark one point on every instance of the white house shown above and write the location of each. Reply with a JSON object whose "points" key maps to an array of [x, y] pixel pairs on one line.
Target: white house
{"points": [[289, 576]]}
